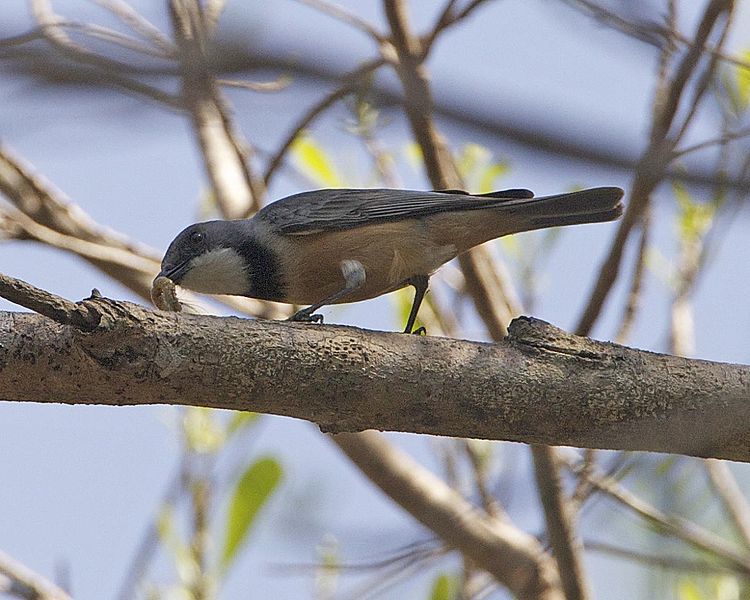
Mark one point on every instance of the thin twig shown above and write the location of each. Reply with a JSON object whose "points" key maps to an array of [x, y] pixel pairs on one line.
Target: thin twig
{"points": [[673, 525], [345, 16], [489, 503], [448, 17], [734, 500], [650, 32], [353, 79], [22, 582], [717, 141], [139, 24], [633, 302], [674, 563], [257, 86], [651, 167]]}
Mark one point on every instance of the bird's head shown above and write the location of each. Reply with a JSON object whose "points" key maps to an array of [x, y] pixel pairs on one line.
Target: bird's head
{"points": [[206, 257]]}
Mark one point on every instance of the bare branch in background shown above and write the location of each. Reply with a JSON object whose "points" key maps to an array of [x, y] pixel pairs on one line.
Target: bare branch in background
{"points": [[139, 24], [513, 557], [560, 518], [257, 86], [672, 525], [673, 563], [353, 81], [448, 17], [225, 156], [345, 16], [734, 500], [653, 165], [19, 581], [650, 32], [633, 303]]}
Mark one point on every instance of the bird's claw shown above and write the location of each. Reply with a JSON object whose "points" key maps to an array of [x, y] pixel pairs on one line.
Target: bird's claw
{"points": [[305, 316], [419, 331]]}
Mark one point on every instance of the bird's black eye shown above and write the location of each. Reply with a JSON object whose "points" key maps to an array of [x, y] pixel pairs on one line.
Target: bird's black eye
{"points": [[197, 237]]}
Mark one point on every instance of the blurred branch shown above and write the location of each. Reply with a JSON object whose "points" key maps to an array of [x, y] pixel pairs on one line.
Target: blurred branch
{"points": [[19, 581], [673, 525], [674, 563], [731, 495], [345, 16], [139, 24], [236, 188], [55, 220], [46, 206], [559, 516], [513, 557], [51, 26], [718, 141], [352, 81], [257, 86], [489, 503], [448, 17], [483, 283], [650, 32], [652, 167], [633, 303]]}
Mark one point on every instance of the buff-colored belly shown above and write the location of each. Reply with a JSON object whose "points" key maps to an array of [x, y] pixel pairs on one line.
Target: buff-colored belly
{"points": [[391, 253]]}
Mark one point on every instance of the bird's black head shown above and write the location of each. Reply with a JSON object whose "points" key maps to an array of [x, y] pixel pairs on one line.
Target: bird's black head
{"points": [[206, 257]]}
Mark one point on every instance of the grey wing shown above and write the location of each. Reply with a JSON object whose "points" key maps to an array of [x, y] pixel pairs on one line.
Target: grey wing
{"points": [[335, 209]]}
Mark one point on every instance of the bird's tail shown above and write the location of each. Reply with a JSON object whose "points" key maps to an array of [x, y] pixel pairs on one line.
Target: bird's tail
{"points": [[594, 205]]}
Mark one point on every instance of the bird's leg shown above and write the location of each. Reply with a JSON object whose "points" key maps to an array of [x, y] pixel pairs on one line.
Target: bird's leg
{"points": [[354, 278], [420, 288]]}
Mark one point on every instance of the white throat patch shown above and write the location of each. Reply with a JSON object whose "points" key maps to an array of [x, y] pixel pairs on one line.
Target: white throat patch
{"points": [[219, 271]]}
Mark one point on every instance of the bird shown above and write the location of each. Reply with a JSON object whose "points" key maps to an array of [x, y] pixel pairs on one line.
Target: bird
{"points": [[332, 246]]}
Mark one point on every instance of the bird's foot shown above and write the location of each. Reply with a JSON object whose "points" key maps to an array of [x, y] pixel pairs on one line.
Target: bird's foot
{"points": [[306, 316], [419, 331]]}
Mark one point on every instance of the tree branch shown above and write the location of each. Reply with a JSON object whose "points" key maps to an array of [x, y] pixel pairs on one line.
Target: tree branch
{"points": [[235, 186], [22, 582], [541, 385], [559, 515], [514, 558]]}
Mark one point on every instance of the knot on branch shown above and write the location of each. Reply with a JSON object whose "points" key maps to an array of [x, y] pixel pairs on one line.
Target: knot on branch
{"points": [[535, 333]]}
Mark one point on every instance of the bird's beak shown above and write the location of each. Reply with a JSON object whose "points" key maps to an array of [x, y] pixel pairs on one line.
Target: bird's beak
{"points": [[175, 273]]}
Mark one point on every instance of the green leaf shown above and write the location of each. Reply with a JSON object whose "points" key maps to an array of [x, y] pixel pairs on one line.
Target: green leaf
{"points": [[742, 77], [695, 218], [202, 430], [688, 590], [252, 491], [471, 158], [240, 420], [414, 156], [314, 162], [445, 587]]}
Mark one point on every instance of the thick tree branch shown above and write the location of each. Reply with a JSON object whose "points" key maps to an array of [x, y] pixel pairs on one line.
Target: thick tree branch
{"points": [[541, 385]]}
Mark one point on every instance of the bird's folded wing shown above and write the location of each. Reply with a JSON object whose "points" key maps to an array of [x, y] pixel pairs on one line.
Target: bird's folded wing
{"points": [[336, 209]]}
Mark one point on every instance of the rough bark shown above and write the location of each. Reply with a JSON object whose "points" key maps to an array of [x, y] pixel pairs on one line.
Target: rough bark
{"points": [[540, 385]]}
